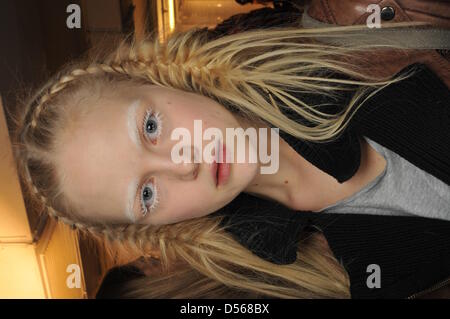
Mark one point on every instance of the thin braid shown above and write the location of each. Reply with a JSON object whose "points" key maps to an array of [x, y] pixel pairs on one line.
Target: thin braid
{"points": [[134, 235], [126, 67], [66, 79], [55, 89], [94, 230], [53, 213]]}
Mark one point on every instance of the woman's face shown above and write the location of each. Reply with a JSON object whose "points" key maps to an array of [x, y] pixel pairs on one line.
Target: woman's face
{"points": [[118, 162]]}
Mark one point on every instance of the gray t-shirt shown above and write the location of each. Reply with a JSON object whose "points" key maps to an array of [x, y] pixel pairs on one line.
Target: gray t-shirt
{"points": [[401, 189]]}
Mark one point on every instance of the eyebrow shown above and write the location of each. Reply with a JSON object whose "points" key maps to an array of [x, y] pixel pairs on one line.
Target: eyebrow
{"points": [[133, 133]]}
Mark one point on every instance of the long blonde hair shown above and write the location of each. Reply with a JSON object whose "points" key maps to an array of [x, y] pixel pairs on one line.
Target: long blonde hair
{"points": [[246, 71]]}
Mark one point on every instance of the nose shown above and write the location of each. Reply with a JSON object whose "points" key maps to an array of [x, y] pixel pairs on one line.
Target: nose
{"points": [[185, 171], [164, 164]]}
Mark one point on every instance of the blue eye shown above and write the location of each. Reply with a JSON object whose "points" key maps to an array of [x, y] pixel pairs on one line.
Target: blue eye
{"points": [[152, 125], [149, 198]]}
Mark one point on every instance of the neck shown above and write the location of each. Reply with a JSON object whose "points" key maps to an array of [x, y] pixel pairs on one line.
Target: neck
{"points": [[300, 185], [292, 185], [295, 180]]}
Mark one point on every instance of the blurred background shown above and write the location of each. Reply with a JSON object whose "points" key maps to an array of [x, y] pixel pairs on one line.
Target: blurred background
{"points": [[38, 257]]}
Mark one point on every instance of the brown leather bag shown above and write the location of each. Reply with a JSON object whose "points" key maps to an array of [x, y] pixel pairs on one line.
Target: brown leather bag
{"points": [[389, 62], [353, 12]]}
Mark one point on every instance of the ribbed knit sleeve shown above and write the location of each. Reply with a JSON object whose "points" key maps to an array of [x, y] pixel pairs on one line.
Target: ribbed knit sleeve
{"points": [[413, 253]]}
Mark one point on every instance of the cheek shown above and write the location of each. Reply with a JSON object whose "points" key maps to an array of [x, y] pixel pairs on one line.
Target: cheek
{"points": [[242, 176], [184, 113], [183, 200]]}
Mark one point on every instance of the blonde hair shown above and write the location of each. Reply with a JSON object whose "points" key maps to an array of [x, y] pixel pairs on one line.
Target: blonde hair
{"points": [[248, 71]]}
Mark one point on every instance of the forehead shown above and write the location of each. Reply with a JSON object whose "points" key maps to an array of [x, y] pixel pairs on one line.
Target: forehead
{"points": [[94, 158]]}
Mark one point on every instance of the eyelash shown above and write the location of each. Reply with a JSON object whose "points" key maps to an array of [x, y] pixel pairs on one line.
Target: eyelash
{"points": [[154, 205], [153, 140], [159, 122]]}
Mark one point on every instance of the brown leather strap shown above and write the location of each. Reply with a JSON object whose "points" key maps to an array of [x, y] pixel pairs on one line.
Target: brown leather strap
{"points": [[390, 62], [409, 38], [353, 12]]}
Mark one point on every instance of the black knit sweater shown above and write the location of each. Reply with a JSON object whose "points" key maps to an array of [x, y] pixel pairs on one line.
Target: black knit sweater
{"points": [[411, 118]]}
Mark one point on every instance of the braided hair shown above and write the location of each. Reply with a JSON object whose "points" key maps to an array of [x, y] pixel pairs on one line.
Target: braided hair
{"points": [[32, 135]]}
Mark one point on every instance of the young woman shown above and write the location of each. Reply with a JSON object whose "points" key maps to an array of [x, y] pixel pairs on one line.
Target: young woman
{"points": [[95, 145]]}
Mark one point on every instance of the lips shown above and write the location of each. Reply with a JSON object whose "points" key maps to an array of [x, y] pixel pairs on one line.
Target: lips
{"points": [[214, 170], [221, 171]]}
